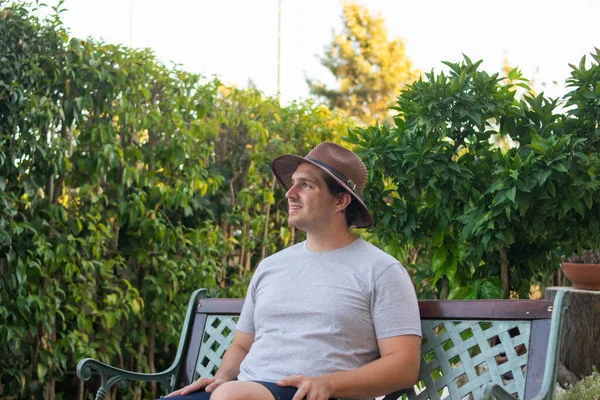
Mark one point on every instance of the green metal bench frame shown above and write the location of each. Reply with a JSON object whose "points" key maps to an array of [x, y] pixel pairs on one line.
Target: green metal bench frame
{"points": [[480, 349]]}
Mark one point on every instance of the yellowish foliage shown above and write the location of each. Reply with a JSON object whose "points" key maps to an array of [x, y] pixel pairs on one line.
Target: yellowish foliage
{"points": [[371, 70]]}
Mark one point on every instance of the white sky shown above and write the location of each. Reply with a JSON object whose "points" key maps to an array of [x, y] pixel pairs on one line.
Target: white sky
{"points": [[237, 39]]}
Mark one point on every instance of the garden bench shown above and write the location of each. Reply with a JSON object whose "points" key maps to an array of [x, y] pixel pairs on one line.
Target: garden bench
{"points": [[480, 349]]}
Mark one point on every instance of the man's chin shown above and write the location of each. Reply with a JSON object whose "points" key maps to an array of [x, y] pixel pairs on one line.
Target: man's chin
{"points": [[296, 223]]}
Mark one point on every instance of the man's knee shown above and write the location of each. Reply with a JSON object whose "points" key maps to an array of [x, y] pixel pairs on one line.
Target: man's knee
{"points": [[236, 390]]}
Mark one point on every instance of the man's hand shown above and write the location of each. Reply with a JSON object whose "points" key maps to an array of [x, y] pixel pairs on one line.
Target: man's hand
{"points": [[208, 384], [229, 369], [311, 387]]}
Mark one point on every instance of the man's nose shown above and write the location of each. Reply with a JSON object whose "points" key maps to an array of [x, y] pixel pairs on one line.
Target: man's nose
{"points": [[291, 193]]}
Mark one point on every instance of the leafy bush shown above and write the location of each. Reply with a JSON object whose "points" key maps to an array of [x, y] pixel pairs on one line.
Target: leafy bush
{"points": [[125, 185], [586, 389], [491, 187]]}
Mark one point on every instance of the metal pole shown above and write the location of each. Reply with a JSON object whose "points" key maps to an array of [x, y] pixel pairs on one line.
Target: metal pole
{"points": [[131, 20], [279, 56]]}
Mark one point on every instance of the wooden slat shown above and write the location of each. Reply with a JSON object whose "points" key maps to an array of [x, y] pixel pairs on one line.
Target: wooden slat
{"points": [[220, 306], [431, 309], [485, 309], [538, 347]]}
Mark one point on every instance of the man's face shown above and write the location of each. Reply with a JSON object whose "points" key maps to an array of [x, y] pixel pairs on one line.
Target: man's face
{"points": [[311, 206]]}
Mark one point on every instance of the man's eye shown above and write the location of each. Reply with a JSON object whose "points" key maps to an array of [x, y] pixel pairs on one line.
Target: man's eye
{"points": [[306, 185]]}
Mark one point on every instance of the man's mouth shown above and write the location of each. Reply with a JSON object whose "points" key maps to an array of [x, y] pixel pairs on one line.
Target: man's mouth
{"points": [[294, 208]]}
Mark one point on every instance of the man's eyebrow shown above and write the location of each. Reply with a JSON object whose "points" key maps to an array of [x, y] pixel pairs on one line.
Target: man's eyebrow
{"points": [[304, 180]]}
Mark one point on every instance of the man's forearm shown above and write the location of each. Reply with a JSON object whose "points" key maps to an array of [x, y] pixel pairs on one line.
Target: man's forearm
{"points": [[230, 366], [377, 378]]}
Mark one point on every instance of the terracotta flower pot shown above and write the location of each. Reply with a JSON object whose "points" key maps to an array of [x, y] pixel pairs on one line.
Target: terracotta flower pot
{"points": [[583, 276]]}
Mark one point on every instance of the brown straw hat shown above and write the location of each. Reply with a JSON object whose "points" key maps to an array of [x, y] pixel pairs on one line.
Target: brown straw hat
{"points": [[340, 163]]}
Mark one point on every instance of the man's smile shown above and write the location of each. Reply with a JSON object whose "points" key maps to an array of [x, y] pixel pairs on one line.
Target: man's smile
{"points": [[294, 208]]}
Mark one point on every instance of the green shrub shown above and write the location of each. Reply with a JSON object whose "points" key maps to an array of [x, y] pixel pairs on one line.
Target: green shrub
{"points": [[586, 389], [475, 176], [119, 196]]}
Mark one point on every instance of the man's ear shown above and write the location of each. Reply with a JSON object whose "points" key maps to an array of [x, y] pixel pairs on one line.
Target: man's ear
{"points": [[344, 200]]}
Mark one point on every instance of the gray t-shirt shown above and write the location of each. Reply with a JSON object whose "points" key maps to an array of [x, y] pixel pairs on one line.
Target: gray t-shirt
{"points": [[318, 313]]}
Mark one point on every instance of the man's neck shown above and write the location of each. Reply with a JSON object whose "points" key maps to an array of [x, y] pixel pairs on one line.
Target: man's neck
{"points": [[329, 241]]}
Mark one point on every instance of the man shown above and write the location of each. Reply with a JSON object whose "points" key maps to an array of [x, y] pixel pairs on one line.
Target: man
{"points": [[331, 317]]}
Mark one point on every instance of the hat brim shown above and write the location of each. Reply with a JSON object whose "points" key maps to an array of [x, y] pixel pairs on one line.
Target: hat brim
{"points": [[284, 167]]}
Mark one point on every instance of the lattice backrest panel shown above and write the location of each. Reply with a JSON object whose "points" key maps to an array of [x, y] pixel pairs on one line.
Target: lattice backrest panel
{"points": [[459, 357], [218, 335]]}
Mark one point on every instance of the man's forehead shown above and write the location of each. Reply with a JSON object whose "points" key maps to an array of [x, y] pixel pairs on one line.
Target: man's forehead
{"points": [[308, 171]]}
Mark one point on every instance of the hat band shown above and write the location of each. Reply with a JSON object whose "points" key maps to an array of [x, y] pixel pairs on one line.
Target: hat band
{"points": [[340, 176]]}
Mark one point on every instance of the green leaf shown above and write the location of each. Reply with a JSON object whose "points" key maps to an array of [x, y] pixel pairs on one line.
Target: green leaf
{"points": [[21, 274], [454, 167], [560, 167], [500, 197], [578, 206], [542, 176], [551, 189], [451, 270], [588, 94], [386, 218], [127, 178], [510, 193], [539, 145], [439, 258], [496, 185], [437, 238], [476, 117], [268, 197], [437, 276], [42, 369], [285, 235], [587, 198], [491, 288], [136, 306], [110, 320], [111, 299], [459, 293]]}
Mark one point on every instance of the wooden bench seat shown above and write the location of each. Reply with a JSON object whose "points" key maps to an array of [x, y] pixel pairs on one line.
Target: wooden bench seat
{"points": [[480, 349]]}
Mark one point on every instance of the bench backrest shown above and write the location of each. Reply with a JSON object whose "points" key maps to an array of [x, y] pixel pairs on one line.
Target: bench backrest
{"points": [[466, 344]]}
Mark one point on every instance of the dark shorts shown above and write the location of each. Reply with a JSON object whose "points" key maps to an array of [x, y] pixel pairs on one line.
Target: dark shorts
{"points": [[278, 392]]}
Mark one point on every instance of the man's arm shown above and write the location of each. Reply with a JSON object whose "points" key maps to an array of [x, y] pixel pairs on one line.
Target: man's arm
{"points": [[235, 354], [397, 368], [229, 369]]}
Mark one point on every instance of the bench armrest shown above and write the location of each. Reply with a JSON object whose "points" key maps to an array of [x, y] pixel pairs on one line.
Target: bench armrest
{"points": [[493, 391], [553, 354], [110, 376]]}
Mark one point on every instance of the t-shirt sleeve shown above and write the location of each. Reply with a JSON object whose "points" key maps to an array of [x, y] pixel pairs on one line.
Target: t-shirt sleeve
{"points": [[246, 321], [394, 306]]}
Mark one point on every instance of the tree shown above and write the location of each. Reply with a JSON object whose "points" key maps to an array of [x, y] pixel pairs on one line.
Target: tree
{"points": [[256, 129], [370, 69], [125, 185], [492, 220]]}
